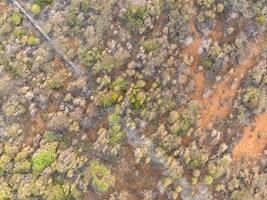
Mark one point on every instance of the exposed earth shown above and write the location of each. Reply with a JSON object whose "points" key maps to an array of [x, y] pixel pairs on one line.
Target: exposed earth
{"points": [[171, 104]]}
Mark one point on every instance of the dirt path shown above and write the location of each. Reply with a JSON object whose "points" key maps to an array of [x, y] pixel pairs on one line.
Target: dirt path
{"points": [[254, 140]]}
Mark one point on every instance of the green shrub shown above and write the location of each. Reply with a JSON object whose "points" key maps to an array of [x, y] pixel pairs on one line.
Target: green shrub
{"points": [[101, 176], [5, 191], [108, 100], [4, 161], [56, 192], [35, 9], [150, 46], [19, 33], [137, 99], [114, 118], [85, 5], [89, 58], [261, 20], [15, 19], [134, 19], [44, 158], [185, 124], [42, 2], [251, 97], [225, 161], [22, 167], [207, 63], [57, 81], [208, 180], [50, 136], [119, 85], [196, 164], [32, 41], [115, 138]]}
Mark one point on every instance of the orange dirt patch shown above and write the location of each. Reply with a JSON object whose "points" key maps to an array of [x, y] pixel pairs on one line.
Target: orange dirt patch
{"points": [[57, 62], [212, 108], [193, 50], [146, 179], [217, 33], [37, 125], [254, 140]]}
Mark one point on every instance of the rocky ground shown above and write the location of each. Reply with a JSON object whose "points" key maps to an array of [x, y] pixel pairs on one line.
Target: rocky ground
{"points": [[172, 103]]}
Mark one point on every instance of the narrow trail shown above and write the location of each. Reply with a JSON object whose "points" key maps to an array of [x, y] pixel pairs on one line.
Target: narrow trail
{"points": [[254, 139]]}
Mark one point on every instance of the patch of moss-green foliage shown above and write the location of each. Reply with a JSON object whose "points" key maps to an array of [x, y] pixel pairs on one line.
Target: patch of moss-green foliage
{"points": [[251, 97], [150, 46], [208, 180], [185, 123], [108, 62], [261, 19], [4, 161], [218, 170], [89, 58], [206, 3], [134, 19], [182, 121], [109, 99], [207, 63], [16, 19], [19, 33], [56, 192], [102, 179], [22, 167], [137, 99], [187, 157], [114, 118], [44, 158], [73, 13], [115, 138], [1, 47], [5, 191], [85, 4], [225, 161], [36, 9], [196, 164], [50, 136], [57, 81], [181, 124], [115, 133], [116, 89], [32, 41], [119, 85], [42, 2]]}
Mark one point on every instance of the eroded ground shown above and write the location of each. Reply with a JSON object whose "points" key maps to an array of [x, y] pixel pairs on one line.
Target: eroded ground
{"points": [[172, 103]]}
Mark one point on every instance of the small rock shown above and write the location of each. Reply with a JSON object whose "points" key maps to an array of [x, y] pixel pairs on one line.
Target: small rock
{"points": [[218, 78], [230, 30], [200, 68]]}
